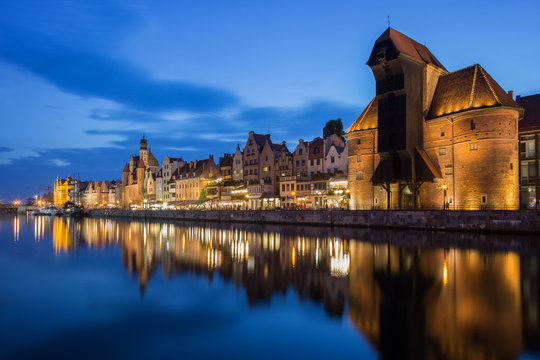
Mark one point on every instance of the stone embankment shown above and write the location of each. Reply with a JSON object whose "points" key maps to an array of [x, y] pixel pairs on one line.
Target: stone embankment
{"points": [[485, 221]]}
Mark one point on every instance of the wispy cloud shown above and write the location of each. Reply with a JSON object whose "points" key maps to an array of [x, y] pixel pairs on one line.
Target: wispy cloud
{"points": [[60, 162], [5, 149], [181, 148]]}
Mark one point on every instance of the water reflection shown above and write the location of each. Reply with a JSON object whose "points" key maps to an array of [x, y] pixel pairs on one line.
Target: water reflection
{"points": [[409, 301]]}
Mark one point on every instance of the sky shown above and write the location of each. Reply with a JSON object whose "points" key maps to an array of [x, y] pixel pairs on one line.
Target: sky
{"points": [[81, 81]]}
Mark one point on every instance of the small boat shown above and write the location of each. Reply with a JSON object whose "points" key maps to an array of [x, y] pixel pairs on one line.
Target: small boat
{"points": [[47, 210], [74, 211]]}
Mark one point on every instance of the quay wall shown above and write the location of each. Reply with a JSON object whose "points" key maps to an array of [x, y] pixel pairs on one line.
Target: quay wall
{"points": [[482, 220]]}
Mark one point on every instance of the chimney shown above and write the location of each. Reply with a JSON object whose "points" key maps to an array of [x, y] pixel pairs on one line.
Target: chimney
{"points": [[518, 97], [511, 93]]}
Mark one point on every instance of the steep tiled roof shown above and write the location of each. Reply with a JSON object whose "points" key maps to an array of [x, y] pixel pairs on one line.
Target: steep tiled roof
{"points": [[367, 119], [261, 139], [531, 118], [126, 168], [140, 164], [152, 161], [467, 89], [408, 46]]}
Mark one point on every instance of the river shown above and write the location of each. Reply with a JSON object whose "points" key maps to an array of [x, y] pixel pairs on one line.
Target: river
{"points": [[101, 288]]}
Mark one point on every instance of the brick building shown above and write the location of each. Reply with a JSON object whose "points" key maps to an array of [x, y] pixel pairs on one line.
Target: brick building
{"points": [[431, 138], [529, 153]]}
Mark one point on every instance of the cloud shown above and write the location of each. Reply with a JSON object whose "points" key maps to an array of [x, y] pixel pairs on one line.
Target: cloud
{"points": [[91, 74], [181, 148], [60, 162], [5, 149]]}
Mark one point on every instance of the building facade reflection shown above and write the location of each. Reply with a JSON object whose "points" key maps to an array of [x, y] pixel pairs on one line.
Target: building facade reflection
{"points": [[409, 301]]}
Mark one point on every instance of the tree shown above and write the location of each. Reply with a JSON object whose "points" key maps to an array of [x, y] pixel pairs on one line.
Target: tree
{"points": [[333, 127]]}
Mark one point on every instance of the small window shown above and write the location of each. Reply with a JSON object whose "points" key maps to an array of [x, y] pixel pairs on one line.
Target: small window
{"points": [[358, 142], [297, 162], [448, 169], [359, 159], [318, 161], [473, 125], [360, 176], [442, 131], [450, 199], [266, 158], [442, 151], [376, 201], [250, 142], [511, 166], [474, 145], [332, 159], [300, 151], [484, 199]]}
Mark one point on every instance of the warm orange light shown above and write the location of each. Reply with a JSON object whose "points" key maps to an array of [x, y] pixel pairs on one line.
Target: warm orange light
{"points": [[444, 187], [445, 274], [293, 193]]}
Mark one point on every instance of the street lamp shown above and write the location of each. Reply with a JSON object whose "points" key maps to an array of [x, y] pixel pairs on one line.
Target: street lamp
{"points": [[444, 187]]}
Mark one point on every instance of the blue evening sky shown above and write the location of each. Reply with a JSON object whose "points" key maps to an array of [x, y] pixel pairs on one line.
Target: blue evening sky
{"points": [[81, 80]]}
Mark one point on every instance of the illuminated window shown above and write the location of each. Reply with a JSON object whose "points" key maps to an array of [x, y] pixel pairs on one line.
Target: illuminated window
{"points": [[473, 145]]}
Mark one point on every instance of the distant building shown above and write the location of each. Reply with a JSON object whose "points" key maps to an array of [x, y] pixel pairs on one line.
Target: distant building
{"points": [[135, 175], [62, 188], [431, 138], [226, 167], [300, 159], [238, 165], [193, 177], [252, 152], [170, 165], [529, 153], [316, 157]]}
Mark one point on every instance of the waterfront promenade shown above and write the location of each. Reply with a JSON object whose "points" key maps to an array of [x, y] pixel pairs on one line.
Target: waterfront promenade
{"points": [[482, 220]]}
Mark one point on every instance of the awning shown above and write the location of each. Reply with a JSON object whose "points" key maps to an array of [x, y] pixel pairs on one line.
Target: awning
{"points": [[397, 166], [393, 167], [425, 169]]}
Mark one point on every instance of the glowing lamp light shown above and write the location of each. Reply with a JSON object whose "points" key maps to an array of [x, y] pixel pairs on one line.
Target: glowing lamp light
{"points": [[444, 187], [445, 273]]}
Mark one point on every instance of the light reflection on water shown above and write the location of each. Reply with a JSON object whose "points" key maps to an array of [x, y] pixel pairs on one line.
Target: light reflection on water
{"points": [[399, 298]]}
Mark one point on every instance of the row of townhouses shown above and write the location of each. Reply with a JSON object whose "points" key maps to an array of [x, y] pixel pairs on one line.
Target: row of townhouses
{"points": [[262, 175], [429, 138]]}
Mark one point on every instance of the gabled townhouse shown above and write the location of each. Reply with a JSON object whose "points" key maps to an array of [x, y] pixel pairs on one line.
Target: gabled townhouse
{"points": [[300, 159], [192, 179], [238, 165], [252, 154]]}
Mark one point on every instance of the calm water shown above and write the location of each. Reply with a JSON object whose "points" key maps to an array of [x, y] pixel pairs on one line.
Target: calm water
{"points": [[110, 289]]}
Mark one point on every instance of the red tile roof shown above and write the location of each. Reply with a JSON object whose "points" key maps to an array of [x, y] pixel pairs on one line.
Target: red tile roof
{"points": [[368, 119], [531, 118], [410, 47], [467, 89]]}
